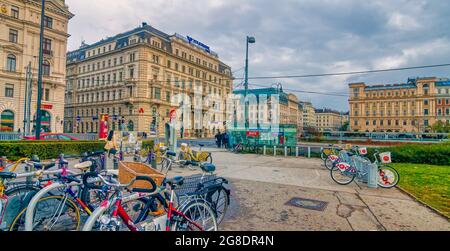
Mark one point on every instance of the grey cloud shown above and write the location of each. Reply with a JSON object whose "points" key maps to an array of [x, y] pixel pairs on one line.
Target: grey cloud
{"points": [[293, 36]]}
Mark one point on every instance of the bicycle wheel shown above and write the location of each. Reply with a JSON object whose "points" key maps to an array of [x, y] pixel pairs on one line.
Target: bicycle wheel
{"points": [[219, 200], [18, 199], [52, 213], [198, 216], [209, 159], [342, 178], [329, 164], [388, 177]]}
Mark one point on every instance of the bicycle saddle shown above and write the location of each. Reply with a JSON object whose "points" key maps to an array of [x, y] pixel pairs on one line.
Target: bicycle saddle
{"points": [[83, 166], [207, 167], [41, 166], [7, 175], [175, 182], [201, 145]]}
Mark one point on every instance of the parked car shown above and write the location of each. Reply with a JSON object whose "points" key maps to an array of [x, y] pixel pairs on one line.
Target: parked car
{"points": [[52, 136]]}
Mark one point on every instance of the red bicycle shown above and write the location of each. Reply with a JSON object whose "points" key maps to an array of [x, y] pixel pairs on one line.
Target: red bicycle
{"points": [[196, 215]]}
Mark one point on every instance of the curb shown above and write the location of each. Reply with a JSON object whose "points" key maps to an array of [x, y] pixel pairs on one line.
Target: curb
{"points": [[423, 203]]}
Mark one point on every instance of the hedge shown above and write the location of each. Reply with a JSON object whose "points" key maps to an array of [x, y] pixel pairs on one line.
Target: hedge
{"points": [[51, 149], [432, 154]]}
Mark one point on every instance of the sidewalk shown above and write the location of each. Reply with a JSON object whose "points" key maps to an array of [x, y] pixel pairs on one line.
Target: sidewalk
{"points": [[264, 184]]}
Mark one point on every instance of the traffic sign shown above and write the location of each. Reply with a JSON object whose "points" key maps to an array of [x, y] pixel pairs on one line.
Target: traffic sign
{"points": [[78, 118]]}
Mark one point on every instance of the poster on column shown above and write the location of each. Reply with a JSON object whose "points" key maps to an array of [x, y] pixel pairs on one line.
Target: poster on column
{"points": [[104, 126]]}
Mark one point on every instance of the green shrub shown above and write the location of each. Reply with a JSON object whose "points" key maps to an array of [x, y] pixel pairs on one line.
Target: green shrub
{"points": [[51, 149], [432, 154]]}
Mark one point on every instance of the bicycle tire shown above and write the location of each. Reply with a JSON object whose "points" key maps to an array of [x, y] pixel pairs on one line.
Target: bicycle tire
{"points": [[220, 214], [11, 213], [382, 183], [19, 220], [198, 206], [209, 158], [329, 164], [334, 170]]}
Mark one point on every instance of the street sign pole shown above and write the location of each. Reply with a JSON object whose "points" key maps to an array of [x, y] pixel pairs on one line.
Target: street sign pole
{"points": [[39, 87]]}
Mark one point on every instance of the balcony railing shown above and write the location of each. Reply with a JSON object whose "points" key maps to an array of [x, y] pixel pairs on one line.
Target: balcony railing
{"points": [[48, 52]]}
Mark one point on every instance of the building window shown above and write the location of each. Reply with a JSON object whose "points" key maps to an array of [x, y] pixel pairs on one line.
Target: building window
{"points": [[15, 12], [9, 90], [13, 35], [157, 93], [48, 22], [11, 63], [47, 46], [46, 68], [426, 112]]}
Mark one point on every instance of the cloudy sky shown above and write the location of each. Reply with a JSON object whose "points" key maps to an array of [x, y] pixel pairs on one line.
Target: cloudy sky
{"points": [[293, 37]]}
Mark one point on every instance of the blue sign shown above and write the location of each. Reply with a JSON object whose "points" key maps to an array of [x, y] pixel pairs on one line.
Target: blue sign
{"points": [[114, 117], [94, 117], [198, 43], [78, 118]]}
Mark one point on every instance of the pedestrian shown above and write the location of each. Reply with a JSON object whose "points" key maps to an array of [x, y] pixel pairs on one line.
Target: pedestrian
{"points": [[111, 146], [226, 140], [218, 135]]}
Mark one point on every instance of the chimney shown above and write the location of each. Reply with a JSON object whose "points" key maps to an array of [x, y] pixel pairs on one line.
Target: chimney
{"points": [[144, 24]]}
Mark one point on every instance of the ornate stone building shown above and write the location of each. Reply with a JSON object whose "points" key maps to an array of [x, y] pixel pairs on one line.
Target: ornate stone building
{"points": [[410, 107], [135, 78], [19, 47]]}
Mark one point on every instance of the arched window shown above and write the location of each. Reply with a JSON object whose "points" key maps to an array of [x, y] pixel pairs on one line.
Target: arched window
{"points": [[7, 121], [46, 68], [11, 63]]}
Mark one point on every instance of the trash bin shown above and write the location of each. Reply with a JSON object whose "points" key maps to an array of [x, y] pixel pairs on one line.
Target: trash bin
{"points": [[373, 176]]}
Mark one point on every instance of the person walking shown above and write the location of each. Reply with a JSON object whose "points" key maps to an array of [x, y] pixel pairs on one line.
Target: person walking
{"points": [[218, 136], [226, 140]]}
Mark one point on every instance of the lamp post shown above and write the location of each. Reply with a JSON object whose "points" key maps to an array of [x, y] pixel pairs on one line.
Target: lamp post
{"points": [[250, 40], [39, 87]]}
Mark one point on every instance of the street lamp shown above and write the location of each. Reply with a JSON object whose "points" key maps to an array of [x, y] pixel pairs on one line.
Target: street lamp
{"points": [[250, 40]]}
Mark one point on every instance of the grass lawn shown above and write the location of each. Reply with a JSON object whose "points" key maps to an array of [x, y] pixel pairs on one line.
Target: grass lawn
{"points": [[431, 184]]}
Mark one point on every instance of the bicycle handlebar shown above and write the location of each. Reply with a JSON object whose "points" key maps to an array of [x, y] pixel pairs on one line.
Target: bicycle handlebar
{"points": [[122, 186]]}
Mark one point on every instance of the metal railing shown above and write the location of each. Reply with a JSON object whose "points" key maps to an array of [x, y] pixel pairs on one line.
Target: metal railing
{"points": [[380, 136], [10, 136]]}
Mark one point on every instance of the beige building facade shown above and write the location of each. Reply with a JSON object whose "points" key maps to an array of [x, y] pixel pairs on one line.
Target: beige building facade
{"points": [[329, 120], [408, 107], [309, 115], [138, 76], [19, 47]]}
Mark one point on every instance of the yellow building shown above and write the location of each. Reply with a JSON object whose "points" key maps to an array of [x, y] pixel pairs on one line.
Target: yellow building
{"points": [[329, 120], [19, 47], [135, 78], [409, 107]]}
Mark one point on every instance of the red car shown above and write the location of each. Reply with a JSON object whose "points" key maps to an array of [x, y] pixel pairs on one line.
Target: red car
{"points": [[52, 136]]}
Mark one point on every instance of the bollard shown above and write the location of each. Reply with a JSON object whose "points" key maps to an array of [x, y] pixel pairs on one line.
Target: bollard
{"points": [[309, 152], [296, 151], [264, 150], [285, 151], [274, 150]]}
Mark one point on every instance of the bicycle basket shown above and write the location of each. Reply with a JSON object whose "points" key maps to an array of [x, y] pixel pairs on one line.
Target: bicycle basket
{"points": [[386, 158], [327, 151], [129, 170], [193, 185]]}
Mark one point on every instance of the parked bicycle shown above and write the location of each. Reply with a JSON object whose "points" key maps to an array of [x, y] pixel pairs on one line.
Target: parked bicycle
{"points": [[195, 215], [199, 156], [345, 173]]}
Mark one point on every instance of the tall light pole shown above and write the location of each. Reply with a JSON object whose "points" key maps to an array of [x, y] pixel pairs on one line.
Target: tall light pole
{"points": [[39, 87], [250, 40]]}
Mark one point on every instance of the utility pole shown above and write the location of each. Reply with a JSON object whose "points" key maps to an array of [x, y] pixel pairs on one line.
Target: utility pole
{"points": [[39, 87]]}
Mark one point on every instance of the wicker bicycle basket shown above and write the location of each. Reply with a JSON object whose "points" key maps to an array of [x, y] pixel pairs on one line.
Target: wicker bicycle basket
{"points": [[129, 170]]}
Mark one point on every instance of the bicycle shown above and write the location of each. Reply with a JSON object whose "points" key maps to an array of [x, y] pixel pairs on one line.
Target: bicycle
{"points": [[341, 156], [330, 150], [62, 210], [200, 156], [111, 210], [345, 173], [10, 166], [205, 186], [14, 196]]}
